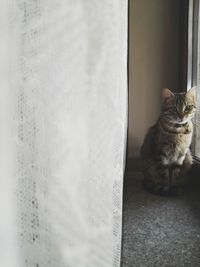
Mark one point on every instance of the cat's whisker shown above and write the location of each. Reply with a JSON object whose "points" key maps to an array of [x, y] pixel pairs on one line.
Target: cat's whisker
{"points": [[197, 123], [195, 119]]}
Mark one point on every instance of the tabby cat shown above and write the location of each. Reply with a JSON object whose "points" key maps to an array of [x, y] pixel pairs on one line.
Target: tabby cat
{"points": [[166, 152]]}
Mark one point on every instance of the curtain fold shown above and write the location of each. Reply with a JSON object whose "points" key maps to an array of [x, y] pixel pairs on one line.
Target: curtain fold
{"points": [[64, 133]]}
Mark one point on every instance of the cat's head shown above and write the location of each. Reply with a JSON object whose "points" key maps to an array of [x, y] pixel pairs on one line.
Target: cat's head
{"points": [[178, 107]]}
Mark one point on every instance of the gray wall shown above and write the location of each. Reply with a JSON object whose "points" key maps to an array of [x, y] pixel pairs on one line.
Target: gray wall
{"points": [[153, 63]]}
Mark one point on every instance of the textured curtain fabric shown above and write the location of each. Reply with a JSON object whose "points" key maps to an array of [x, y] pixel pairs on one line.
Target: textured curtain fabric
{"points": [[63, 113]]}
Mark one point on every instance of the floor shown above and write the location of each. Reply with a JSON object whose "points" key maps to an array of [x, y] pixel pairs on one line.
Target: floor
{"points": [[159, 231]]}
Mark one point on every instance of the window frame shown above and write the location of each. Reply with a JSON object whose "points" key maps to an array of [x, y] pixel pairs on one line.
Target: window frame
{"points": [[193, 62]]}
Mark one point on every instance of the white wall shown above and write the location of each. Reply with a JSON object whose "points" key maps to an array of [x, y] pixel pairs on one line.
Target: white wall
{"points": [[153, 63]]}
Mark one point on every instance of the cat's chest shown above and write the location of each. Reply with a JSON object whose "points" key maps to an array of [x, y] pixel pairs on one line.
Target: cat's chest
{"points": [[177, 140], [181, 140], [178, 137], [174, 145]]}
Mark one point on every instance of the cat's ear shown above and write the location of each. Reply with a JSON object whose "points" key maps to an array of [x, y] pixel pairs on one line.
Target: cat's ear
{"points": [[167, 95], [192, 93]]}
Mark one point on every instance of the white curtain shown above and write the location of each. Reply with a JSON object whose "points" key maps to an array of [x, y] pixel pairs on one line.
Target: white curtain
{"points": [[63, 108]]}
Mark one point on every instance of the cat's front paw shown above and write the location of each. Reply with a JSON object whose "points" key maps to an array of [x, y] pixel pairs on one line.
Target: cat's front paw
{"points": [[156, 188], [176, 190], [162, 190], [175, 174]]}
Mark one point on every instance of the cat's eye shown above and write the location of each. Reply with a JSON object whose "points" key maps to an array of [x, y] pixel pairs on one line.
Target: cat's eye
{"points": [[189, 108]]}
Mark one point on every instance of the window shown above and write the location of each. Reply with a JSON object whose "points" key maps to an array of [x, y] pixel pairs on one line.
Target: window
{"points": [[193, 71]]}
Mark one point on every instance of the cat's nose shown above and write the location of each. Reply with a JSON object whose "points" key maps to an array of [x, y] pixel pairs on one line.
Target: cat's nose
{"points": [[181, 115]]}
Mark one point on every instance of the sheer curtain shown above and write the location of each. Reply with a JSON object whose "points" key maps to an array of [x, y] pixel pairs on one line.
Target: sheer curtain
{"points": [[63, 114]]}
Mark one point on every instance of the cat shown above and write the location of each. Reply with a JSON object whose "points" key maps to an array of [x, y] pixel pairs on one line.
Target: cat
{"points": [[165, 153]]}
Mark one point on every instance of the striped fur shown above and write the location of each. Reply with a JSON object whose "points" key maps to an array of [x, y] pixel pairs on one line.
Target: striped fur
{"points": [[166, 152]]}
